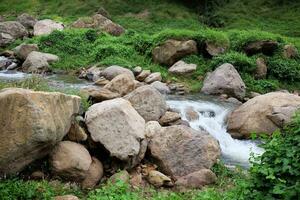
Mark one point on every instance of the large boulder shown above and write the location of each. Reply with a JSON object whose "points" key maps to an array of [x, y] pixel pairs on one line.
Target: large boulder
{"points": [[46, 26], [173, 50], [70, 161], [225, 80], [10, 31], [32, 123], [23, 50], [263, 114], [182, 68], [119, 128], [179, 150], [100, 22], [148, 102], [38, 62], [266, 47], [121, 84], [114, 70], [27, 20]]}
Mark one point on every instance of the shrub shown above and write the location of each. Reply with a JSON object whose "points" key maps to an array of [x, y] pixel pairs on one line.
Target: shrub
{"points": [[284, 69], [239, 60], [277, 175], [261, 86]]}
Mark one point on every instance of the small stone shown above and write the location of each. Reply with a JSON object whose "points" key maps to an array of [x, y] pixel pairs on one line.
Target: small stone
{"points": [[100, 94], [152, 127], [169, 117], [94, 174], [37, 175], [46, 26], [290, 51], [191, 114], [101, 81], [77, 133], [158, 179], [137, 70], [121, 84], [261, 68], [182, 68], [23, 50], [120, 176], [161, 87], [66, 197], [153, 77], [143, 75]]}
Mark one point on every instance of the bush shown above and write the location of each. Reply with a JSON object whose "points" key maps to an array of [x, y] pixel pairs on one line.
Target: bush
{"points": [[277, 174], [261, 86], [239, 60], [284, 69]]}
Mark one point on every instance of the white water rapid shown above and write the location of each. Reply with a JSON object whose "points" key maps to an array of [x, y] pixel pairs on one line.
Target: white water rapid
{"points": [[212, 118]]}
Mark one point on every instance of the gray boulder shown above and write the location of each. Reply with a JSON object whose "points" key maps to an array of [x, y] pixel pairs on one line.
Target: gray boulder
{"points": [[148, 102], [23, 50], [37, 62], [119, 128], [111, 72], [179, 150], [46, 26], [10, 31], [27, 20], [225, 80]]}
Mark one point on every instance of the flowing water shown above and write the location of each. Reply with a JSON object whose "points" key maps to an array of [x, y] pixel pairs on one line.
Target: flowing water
{"points": [[212, 118]]}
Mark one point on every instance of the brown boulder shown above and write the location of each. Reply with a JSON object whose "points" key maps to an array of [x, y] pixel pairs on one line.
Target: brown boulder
{"points": [[71, 161], [262, 114], [180, 150], [121, 84], [173, 50], [168, 118], [94, 174], [32, 123]]}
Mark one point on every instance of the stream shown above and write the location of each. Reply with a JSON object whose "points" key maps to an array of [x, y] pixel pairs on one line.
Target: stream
{"points": [[212, 115]]}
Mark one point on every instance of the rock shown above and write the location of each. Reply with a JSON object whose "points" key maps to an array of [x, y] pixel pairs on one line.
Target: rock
{"points": [[94, 174], [182, 68], [225, 80], [37, 175], [253, 94], [261, 69], [214, 50], [77, 133], [93, 73], [2, 19], [121, 84], [138, 84], [27, 21], [66, 197], [266, 47], [38, 62], [98, 21], [12, 66], [259, 113], [153, 77], [180, 150], [100, 94], [23, 50], [173, 50], [46, 26], [148, 102], [161, 87], [143, 75], [152, 127], [10, 31], [137, 70], [101, 81], [111, 72], [180, 122], [290, 51], [168, 118], [120, 176], [119, 128], [71, 161], [283, 115], [191, 114], [234, 101], [197, 180], [37, 122], [158, 179]]}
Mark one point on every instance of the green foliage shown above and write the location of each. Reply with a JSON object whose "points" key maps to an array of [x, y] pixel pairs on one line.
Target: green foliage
{"points": [[239, 60], [262, 85], [276, 174], [284, 69], [12, 189], [238, 39]]}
